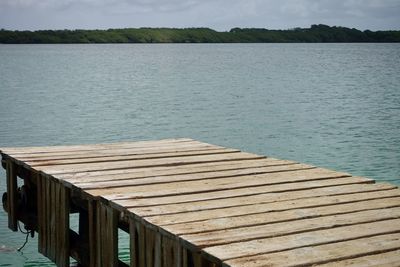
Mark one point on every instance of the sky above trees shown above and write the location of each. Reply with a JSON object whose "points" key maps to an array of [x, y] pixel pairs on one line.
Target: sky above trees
{"points": [[216, 14]]}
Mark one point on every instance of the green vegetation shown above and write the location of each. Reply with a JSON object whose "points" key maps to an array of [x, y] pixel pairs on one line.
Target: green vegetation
{"points": [[315, 34]]}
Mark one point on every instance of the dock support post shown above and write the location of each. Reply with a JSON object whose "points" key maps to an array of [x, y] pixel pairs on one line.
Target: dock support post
{"points": [[41, 190], [133, 244], [153, 247], [107, 236], [92, 214], [62, 225], [172, 252], [53, 220], [12, 195], [195, 259]]}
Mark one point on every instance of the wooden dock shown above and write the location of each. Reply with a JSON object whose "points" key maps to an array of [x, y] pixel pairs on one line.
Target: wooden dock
{"points": [[188, 203]]}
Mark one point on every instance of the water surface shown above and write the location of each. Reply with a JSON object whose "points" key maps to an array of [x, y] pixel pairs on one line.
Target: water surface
{"points": [[330, 105]]}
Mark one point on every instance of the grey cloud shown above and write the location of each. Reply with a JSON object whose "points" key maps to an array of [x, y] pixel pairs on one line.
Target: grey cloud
{"points": [[218, 14]]}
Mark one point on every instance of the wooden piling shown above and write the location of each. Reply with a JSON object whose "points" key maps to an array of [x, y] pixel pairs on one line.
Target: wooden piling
{"points": [[12, 195]]}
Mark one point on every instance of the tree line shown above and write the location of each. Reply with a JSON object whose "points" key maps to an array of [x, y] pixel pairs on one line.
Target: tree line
{"points": [[315, 34]]}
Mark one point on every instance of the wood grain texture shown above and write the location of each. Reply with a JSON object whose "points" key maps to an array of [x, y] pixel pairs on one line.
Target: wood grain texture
{"points": [[234, 191], [190, 177], [90, 147], [12, 195], [388, 259], [40, 212], [205, 205], [92, 228], [63, 226], [229, 236], [188, 203], [330, 229], [152, 171], [287, 216], [283, 179], [329, 187], [126, 164], [192, 216], [120, 152], [126, 156], [311, 255]]}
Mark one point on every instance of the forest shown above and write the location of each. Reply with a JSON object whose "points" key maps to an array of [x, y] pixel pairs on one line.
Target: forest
{"points": [[315, 34]]}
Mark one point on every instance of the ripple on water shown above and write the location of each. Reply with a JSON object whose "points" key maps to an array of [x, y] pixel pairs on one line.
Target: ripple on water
{"points": [[330, 105]]}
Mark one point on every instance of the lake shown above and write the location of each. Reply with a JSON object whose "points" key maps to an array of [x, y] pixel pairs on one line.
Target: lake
{"points": [[330, 105]]}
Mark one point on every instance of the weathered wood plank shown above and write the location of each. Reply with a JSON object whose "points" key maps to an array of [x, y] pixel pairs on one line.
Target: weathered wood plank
{"points": [[221, 237], [133, 244], [314, 238], [46, 215], [112, 152], [72, 168], [171, 252], [206, 205], [40, 212], [141, 236], [206, 200], [53, 222], [12, 195], [93, 241], [182, 196], [133, 173], [63, 227], [153, 247], [208, 185], [167, 219], [107, 234], [125, 157], [57, 222], [193, 177], [279, 188], [323, 253], [99, 232], [280, 216], [112, 237], [89, 147], [48, 203], [388, 259]]}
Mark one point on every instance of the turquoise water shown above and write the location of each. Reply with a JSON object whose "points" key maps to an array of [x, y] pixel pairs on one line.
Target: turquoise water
{"points": [[331, 105]]}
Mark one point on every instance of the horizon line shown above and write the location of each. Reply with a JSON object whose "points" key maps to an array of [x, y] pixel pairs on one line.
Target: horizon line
{"points": [[191, 27]]}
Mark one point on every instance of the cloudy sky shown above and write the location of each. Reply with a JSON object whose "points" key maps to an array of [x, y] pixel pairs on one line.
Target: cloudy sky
{"points": [[217, 14]]}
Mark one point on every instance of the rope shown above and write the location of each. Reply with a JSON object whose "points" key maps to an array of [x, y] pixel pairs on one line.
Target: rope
{"points": [[27, 233]]}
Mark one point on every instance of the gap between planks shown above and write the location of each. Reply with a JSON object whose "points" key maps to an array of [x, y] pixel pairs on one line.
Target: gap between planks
{"points": [[189, 169], [313, 237], [172, 170], [247, 173], [126, 164], [243, 195], [225, 223], [249, 233], [323, 253], [386, 259], [193, 216], [91, 147], [125, 157], [233, 203], [169, 148], [284, 179]]}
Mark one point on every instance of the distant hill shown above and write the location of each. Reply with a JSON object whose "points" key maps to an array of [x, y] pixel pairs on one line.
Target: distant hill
{"points": [[315, 34]]}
